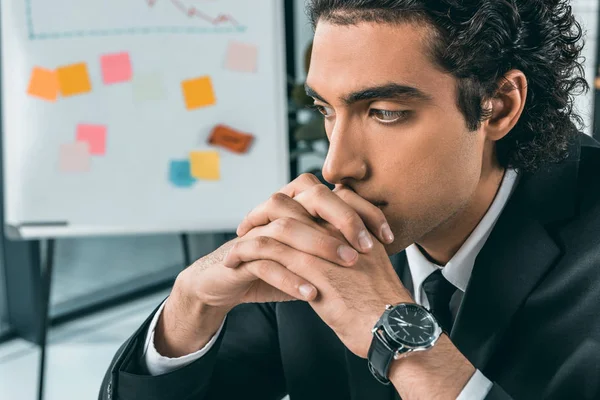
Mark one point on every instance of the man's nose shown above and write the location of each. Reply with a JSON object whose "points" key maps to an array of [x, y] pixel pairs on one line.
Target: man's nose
{"points": [[345, 160]]}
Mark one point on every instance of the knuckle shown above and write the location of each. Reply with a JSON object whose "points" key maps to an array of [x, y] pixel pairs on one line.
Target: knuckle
{"points": [[283, 226], [308, 178], [262, 242], [233, 248], [286, 281], [262, 268], [321, 191], [380, 217], [321, 241], [307, 260], [351, 218], [278, 198]]}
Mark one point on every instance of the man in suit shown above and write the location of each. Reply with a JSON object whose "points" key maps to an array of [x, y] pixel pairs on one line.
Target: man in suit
{"points": [[453, 150]]}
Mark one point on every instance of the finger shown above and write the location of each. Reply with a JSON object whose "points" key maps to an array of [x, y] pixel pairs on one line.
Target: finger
{"points": [[372, 216], [304, 238], [322, 203], [300, 184], [282, 279], [278, 206]]}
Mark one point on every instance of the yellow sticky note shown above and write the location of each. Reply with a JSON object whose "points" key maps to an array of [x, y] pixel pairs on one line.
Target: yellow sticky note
{"points": [[198, 92], [205, 165], [43, 84], [74, 79]]}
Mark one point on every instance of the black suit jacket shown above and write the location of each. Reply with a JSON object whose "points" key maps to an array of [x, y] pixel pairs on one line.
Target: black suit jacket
{"points": [[529, 319]]}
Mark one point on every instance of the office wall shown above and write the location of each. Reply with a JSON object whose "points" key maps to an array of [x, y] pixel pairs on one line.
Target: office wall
{"points": [[586, 11]]}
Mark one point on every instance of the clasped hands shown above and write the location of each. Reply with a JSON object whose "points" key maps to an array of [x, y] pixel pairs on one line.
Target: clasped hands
{"points": [[332, 239]]}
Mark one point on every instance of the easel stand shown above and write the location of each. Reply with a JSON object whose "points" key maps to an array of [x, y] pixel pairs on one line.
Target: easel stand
{"points": [[45, 266]]}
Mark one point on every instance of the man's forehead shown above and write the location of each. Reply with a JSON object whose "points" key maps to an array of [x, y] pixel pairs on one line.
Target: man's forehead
{"points": [[348, 59]]}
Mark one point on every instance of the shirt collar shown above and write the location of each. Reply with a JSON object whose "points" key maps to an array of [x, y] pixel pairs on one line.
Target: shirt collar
{"points": [[458, 270]]}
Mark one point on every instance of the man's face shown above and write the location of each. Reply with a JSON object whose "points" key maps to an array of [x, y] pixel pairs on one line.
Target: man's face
{"points": [[407, 148]]}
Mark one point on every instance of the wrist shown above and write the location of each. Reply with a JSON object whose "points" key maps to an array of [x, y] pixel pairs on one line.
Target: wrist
{"points": [[441, 372], [186, 325]]}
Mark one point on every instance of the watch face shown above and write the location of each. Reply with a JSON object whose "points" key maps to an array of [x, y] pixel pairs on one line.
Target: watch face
{"points": [[411, 325]]}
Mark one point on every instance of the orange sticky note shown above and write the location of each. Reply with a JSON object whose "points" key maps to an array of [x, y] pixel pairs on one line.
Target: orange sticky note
{"points": [[74, 79], [205, 165], [43, 84], [198, 92]]}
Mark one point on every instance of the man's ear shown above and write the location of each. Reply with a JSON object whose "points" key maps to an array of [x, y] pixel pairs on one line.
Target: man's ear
{"points": [[507, 105]]}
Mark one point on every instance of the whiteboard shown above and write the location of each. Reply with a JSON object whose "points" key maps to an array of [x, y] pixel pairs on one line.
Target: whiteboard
{"points": [[121, 182]]}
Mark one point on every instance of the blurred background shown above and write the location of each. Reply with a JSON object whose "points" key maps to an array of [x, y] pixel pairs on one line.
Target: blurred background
{"points": [[108, 123]]}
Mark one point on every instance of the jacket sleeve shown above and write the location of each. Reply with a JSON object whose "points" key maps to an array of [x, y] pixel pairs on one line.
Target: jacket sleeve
{"points": [[497, 393], [245, 362]]}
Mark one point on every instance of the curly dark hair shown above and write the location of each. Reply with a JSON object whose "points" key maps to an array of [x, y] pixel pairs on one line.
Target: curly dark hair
{"points": [[478, 42]]}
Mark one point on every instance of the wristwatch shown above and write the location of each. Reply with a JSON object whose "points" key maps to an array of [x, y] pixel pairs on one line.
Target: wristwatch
{"points": [[402, 329]]}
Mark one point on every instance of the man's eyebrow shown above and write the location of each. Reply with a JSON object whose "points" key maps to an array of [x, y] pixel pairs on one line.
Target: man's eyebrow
{"points": [[389, 91], [312, 93]]}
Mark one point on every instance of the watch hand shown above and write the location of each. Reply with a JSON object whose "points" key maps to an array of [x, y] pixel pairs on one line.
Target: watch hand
{"points": [[404, 323]]}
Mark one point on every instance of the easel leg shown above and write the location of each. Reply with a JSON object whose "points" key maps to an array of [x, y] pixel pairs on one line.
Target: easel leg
{"points": [[187, 258], [46, 281]]}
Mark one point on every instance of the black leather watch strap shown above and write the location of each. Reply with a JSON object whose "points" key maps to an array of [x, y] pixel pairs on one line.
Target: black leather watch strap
{"points": [[380, 357]]}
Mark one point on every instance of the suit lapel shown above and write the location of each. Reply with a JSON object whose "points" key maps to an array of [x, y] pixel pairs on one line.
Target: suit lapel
{"points": [[517, 254]]}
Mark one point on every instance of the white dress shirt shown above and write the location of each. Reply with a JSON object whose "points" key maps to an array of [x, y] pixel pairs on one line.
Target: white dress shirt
{"points": [[457, 271]]}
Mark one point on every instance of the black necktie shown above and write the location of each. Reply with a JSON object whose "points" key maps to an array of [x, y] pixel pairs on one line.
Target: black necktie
{"points": [[439, 291]]}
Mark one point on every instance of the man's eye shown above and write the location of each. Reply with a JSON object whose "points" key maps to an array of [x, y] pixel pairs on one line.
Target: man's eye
{"points": [[388, 117], [326, 111]]}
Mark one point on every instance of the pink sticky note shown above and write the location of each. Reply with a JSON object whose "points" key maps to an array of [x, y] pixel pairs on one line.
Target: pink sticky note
{"points": [[241, 57], [116, 68], [74, 157], [94, 136]]}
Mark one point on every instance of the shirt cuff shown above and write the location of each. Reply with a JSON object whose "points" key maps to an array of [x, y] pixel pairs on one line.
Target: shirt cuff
{"points": [[158, 364], [477, 388]]}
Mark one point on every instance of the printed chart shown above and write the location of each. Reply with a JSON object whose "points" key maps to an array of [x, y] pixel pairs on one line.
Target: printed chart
{"points": [[116, 17]]}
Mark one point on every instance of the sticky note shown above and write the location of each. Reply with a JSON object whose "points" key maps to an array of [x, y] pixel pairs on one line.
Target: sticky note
{"points": [[74, 79], [230, 139], [95, 136], [198, 92], [148, 87], [116, 68], [74, 157], [241, 57], [180, 173], [43, 84], [205, 165]]}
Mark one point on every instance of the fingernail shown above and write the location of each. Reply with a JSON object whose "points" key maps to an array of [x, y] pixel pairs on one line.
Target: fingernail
{"points": [[346, 253], [364, 240], [387, 234], [306, 290]]}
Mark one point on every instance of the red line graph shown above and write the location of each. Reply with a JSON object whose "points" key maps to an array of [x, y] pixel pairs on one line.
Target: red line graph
{"points": [[192, 11]]}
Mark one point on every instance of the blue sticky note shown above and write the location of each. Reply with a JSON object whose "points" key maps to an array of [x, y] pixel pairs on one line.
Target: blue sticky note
{"points": [[179, 173]]}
